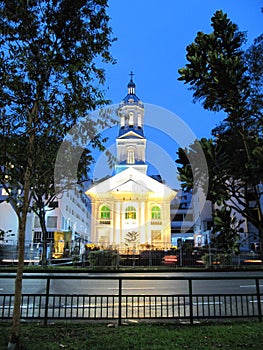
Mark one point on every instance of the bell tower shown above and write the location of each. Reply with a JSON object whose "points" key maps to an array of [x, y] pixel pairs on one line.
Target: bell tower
{"points": [[131, 143]]}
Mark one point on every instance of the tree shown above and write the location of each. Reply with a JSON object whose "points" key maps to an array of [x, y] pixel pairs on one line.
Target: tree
{"points": [[216, 160], [225, 230], [44, 193], [225, 188], [219, 74], [51, 51], [254, 60], [216, 70]]}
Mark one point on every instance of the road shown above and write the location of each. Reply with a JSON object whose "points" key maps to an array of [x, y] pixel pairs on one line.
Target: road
{"points": [[141, 286], [92, 298]]}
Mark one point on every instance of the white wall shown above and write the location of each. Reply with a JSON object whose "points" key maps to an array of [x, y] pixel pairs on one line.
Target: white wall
{"points": [[8, 221]]}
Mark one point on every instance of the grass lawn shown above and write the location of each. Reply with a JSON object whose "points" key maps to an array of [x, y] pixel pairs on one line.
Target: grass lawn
{"points": [[146, 336]]}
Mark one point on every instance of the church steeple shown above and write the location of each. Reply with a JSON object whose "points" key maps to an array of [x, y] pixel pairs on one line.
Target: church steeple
{"points": [[131, 85], [131, 111], [131, 142]]}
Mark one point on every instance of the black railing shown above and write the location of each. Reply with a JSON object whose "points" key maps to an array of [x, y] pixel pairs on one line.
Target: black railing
{"points": [[120, 306], [186, 256]]}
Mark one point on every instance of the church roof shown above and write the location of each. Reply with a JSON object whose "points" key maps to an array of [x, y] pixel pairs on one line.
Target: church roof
{"points": [[132, 181], [131, 99], [136, 162], [130, 132]]}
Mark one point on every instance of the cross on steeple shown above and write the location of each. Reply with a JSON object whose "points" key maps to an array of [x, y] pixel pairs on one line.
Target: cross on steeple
{"points": [[131, 75]]}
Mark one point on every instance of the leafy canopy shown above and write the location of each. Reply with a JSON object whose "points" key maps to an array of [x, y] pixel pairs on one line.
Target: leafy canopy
{"points": [[52, 52], [216, 71], [225, 78]]}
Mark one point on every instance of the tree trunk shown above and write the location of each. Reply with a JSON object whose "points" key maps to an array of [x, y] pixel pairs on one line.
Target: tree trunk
{"points": [[44, 232], [14, 340], [260, 233]]}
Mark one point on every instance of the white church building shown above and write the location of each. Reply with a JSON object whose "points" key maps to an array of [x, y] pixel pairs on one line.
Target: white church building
{"points": [[131, 210]]}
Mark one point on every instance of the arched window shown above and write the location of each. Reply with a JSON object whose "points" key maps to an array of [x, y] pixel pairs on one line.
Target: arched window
{"points": [[130, 156], [156, 213], [122, 120], [139, 120], [105, 212], [131, 120], [130, 213]]}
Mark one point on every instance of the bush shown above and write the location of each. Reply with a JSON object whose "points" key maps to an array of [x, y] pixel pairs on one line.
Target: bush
{"points": [[101, 258], [218, 260]]}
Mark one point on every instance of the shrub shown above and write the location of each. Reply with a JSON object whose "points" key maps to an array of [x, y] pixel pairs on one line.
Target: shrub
{"points": [[101, 258], [217, 260]]}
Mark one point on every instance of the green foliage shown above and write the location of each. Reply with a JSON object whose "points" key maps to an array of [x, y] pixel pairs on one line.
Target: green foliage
{"points": [[225, 229], [185, 171], [224, 78], [220, 260], [216, 69], [52, 52], [217, 161], [254, 61], [102, 258], [76, 256], [50, 76], [49, 71], [220, 169]]}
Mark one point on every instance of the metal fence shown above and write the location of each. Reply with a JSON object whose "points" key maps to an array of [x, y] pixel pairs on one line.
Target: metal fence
{"points": [[144, 258], [120, 306]]}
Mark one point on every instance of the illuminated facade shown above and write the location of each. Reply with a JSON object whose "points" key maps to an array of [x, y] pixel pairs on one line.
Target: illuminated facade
{"points": [[131, 210]]}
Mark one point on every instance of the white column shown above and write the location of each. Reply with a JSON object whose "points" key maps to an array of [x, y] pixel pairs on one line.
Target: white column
{"points": [[93, 235], [142, 223], [117, 222]]}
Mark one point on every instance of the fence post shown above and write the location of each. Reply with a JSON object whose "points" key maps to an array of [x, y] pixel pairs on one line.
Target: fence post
{"points": [[120, 301], [258, 300], [191, 300], [47, 300]]}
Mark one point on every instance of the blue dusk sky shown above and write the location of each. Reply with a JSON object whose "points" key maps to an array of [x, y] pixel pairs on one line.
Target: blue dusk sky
{"points": [[152, 36]]}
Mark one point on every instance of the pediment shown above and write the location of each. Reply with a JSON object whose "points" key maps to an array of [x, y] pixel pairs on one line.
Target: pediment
{"points": [[130, 134], [132, 181], [132, 186]]}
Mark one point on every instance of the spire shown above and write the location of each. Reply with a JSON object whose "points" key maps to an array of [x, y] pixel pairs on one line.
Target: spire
{"points": [[131, 98], [131, 85], [131, 142]]}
